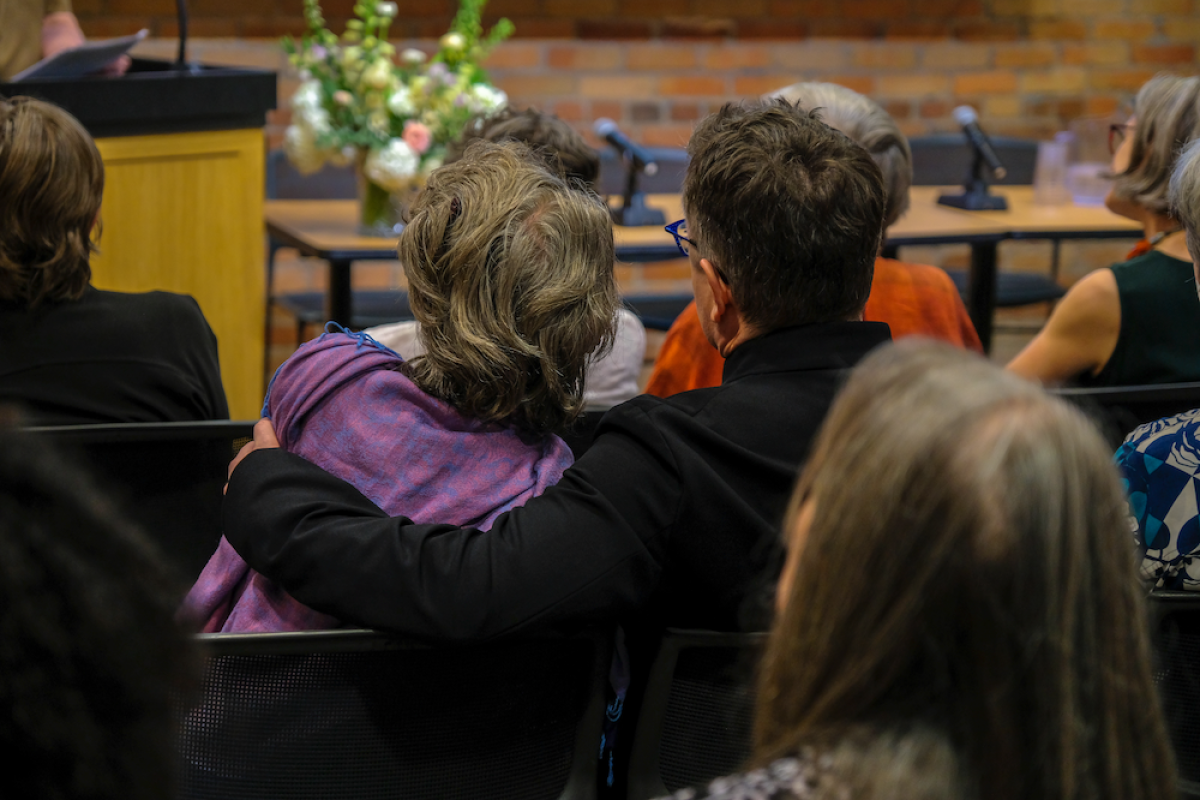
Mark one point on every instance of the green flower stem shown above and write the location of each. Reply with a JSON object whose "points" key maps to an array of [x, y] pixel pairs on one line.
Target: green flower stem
{"points": [[376, 204]]}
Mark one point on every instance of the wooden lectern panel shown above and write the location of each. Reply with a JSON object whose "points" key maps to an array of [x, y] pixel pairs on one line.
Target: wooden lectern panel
{"points": [[183, 213]]}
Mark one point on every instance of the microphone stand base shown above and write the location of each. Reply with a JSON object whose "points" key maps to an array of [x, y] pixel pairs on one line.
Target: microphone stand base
{"points": [[637, 214], [974, 201]]}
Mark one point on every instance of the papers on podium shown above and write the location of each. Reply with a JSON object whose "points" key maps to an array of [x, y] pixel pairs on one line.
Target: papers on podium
{"points": [[76, 62]]}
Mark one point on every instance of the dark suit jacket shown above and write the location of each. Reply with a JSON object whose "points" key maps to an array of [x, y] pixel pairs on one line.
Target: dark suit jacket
{"points": [[673, 513]]}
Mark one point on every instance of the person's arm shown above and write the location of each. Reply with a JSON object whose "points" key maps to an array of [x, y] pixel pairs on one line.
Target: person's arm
{"points": [[60, 31], [1080, 335], [588, 549]]}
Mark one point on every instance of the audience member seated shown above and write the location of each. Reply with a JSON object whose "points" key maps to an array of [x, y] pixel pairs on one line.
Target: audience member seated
{"points": [[91, 657], [1160, 462], [510, 275], [981, 607], [1139, 321], [913, 299], [70, 353], [612, 375]]}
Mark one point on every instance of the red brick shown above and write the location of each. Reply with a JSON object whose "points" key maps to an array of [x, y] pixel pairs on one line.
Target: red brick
{"points": [[777, 29], [687, 112], [1127, 79], [510, 8], [813, 55], [987, 31], [863, 84], [698, 28], [753, 85], [955, 55], [148, 7], [515, 54], [845, 29], [1066, 79], [723, 8], [666, 135], [584, 57], [935, 108], [1058, 29], [693, 86], [1131, 29], [1164, 54], [1110, 52], [569, 110], [623, 87], [985, 83], [614, 29], [658, 56], [645, 112], [950, 8], [1101, 106], [918, 30], [736, 57], [274, 27], [889, 85], [1026, 54], [877, 9], [579, 8], [200, 26], [1166, 6], [540, 85], [536, 28], [656, 9], [888, 56]]}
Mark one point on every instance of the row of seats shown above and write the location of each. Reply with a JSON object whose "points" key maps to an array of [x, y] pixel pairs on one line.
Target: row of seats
{"points": [[354, 713]]}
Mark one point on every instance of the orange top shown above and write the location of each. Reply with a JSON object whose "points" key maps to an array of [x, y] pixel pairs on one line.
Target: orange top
{"points": [[913, 299]]}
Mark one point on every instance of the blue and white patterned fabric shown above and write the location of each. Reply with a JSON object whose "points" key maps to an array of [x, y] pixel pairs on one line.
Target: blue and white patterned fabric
{"points": [[1160, 465]]}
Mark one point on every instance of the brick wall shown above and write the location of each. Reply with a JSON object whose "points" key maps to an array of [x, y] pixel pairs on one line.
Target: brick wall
{"points": [[656, 66]]}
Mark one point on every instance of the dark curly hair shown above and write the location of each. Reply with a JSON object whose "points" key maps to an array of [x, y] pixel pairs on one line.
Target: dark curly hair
{"points": [[554, 141], [90, 656]]}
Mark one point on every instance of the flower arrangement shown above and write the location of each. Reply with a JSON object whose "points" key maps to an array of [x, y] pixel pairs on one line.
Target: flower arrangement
{"points": [[394, 116]]}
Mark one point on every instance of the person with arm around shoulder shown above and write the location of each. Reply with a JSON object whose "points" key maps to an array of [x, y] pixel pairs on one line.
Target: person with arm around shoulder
{"points": [[976, 630], [1134, 322]]}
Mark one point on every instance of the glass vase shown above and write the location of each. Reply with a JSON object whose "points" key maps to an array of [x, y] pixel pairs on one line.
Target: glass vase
{"points": [[378, 212]]}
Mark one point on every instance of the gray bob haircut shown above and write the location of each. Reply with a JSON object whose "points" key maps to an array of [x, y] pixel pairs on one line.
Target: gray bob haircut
{"points": [[864, 121], [1168, 117], [1185, 194]]}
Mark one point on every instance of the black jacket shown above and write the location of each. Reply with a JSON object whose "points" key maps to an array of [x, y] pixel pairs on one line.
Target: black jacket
{"points": [[673, 513]]}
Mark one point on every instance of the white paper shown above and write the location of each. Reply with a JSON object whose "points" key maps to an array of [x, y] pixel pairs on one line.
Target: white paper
{"points": [[76, 62]]}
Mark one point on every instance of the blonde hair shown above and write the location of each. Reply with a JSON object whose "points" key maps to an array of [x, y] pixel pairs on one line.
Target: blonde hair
{"points": [[51, 182], [864, 121], [1167, 108], [510, 272], [968, 567]]}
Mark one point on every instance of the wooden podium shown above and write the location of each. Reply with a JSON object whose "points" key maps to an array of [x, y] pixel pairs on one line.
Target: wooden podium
{"points": [[183, 197]]}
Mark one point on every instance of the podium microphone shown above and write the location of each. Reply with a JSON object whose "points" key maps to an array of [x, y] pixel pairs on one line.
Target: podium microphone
{"points": [[607, 130], [181, 14], [969, 120]]}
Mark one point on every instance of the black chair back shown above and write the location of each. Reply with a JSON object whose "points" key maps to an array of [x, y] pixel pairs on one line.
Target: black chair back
{"points": [[696, 721], [285, 182], [168, 477], [1177, 673], [355, 713], [1120, 409], [945, 159], [672, 164]]}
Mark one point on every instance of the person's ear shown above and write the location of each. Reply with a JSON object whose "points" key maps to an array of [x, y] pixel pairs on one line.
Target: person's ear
{"points": [[722, 297]]}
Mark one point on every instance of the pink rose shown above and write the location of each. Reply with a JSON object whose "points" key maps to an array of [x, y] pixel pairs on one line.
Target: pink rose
{"points": [[417, 136]]}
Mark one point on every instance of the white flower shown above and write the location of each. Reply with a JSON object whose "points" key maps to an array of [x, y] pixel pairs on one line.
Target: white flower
{"points": [[300, 144], [393, 167], [388, 10], [379, 74], [453, 41], [487, 98], [342, 97], [307, 97], [401, 104], [412, 56]]}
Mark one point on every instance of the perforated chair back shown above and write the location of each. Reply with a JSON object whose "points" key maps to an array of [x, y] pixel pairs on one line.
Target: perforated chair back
{"points": [[945, 159], [167, 477], [1120, 409], [1177, 673], [672, 164], [358, 714], [697, 718], [285, 182]]}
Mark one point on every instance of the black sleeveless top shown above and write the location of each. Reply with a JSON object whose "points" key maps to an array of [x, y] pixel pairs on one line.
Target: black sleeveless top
{"points": [[1159, 341]]}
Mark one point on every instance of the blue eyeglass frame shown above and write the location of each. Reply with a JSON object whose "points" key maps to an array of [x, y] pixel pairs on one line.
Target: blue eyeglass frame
{"points": [[673, 229]]}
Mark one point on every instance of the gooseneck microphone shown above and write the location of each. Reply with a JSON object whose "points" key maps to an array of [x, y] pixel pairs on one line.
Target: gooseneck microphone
{"points": [[969, 120], [607, 130], [181, 13]]}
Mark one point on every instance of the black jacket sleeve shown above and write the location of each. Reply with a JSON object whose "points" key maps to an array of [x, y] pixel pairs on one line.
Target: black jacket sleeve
{"points": [[589, 549]]}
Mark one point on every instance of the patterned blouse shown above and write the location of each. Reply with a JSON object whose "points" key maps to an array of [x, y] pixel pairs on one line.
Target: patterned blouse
{"points": [[802, 778], [1159, 464]]}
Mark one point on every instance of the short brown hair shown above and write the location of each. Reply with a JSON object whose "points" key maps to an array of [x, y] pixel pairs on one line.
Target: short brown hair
{"points": [[968, 566], [864, 121], [788, 209], [1167, 108], [546, 135], [51, 182], [510, 273]]}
